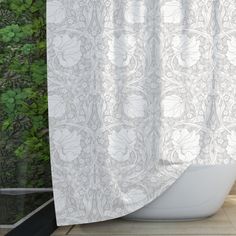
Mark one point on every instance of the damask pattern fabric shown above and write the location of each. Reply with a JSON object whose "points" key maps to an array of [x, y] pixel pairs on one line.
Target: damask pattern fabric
{"points": [[138, 91]]}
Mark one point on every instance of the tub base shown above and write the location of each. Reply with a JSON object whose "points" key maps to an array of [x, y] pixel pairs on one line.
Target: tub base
{"points": [[169, 220], [198, 193]]}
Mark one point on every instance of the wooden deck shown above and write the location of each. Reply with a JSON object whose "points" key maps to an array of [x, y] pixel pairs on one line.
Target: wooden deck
{"points": [[223, 223]]}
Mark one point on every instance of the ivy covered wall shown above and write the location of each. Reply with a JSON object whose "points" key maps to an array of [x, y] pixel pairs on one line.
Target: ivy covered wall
{"points": [[24, 147]]}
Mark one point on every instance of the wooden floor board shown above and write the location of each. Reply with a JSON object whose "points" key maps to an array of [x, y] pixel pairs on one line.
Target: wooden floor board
{"points": [[223, 223]]}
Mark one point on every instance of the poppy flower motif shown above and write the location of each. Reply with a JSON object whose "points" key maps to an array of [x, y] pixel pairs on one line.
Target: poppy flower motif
{"points": [[67, 49], [171, 12], [121, 144], [134, 106], [67, 144], [121, 49], [186, 50], [173, 106], [186, 144], [135, 12]]}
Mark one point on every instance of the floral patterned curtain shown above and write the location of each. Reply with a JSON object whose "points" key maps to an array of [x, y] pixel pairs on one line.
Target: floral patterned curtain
{"points": [[138, 91]]}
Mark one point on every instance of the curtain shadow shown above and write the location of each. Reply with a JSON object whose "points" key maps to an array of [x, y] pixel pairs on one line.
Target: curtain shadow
{"points": [[211, 120]]}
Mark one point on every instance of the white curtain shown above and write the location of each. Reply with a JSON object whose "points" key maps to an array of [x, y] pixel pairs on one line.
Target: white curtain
{"points": [[138, 91]]}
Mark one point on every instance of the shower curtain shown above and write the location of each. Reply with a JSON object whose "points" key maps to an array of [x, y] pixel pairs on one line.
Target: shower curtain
{"points": [[138, 90]]}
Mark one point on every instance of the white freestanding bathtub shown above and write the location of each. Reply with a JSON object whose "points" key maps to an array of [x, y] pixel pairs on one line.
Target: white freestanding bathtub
{"points": [[198, 193]]}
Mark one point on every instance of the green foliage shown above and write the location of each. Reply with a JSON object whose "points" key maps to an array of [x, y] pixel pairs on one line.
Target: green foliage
{"points": [[15, 33], [24, 148]]}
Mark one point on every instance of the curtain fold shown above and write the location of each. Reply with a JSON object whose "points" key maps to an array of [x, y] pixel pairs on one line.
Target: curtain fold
{"points": [[138, 90]]}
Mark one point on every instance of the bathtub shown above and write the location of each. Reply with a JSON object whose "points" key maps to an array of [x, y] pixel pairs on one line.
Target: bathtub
{"points": [[198, 193]]}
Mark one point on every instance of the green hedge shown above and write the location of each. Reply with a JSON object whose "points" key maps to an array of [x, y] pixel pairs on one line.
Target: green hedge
{"points": [[24, 147]]}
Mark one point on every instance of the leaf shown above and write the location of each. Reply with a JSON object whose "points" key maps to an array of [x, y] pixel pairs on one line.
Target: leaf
{"points": [[23, 97], [6, 124]]}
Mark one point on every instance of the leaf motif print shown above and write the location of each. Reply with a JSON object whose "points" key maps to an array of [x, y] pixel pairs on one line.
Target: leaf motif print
{"points": [[56, 106], [60, 199], [135, 195], [55, 12], [231, 148], [231, 53]]}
